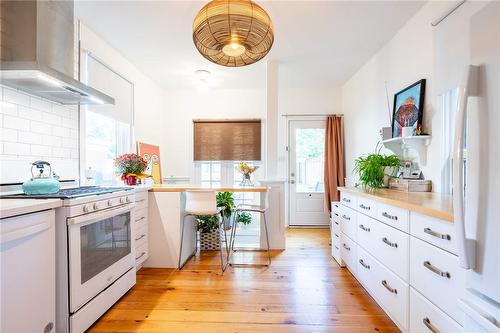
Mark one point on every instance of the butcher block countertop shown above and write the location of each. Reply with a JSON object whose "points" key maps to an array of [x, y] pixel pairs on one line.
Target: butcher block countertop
{"points": [[427, 203], [185, 188], [14, 207]]}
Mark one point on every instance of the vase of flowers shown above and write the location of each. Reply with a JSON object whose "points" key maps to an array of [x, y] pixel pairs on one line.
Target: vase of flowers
{"points": [[246, 173], [131, 167]]}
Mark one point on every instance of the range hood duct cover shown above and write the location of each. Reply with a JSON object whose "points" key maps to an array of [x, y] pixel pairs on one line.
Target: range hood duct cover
{"points": [[38, 50]]}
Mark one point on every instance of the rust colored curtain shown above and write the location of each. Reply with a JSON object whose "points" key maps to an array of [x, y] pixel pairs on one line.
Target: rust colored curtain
{"points": [[334, 160]]}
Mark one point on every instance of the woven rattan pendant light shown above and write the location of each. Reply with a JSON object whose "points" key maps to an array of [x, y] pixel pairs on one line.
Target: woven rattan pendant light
{"points": [[233, 33]]}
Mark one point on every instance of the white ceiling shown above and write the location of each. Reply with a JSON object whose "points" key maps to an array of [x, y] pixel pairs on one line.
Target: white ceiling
{"points": [[317, 43]]}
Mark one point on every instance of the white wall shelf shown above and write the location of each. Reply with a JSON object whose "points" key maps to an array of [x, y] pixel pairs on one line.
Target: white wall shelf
{"points": [[400, 146]]}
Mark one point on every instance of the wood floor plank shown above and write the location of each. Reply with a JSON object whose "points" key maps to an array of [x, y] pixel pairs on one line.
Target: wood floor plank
{"points": [[304, 290]]}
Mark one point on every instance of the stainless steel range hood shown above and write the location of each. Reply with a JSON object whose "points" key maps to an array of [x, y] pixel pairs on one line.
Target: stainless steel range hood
{"points": [[37, 52]]}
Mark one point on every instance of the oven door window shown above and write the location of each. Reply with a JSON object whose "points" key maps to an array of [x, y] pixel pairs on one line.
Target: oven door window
{"points": [[103, 243]]}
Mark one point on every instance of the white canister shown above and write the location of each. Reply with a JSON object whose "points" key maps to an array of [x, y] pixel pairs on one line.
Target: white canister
{"points": [[407, 131]]}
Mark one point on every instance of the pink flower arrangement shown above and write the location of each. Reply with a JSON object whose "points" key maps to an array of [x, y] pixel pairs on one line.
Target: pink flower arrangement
{"points": [[130, 164]]}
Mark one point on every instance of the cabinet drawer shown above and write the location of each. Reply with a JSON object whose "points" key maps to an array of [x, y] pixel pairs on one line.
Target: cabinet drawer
{"points": [[335, 207], [367, 206], [425, 317], [388, 245], [141, 235], [392, 293], [141, 254], [436, 274], [393, 216], [348, 223], [141, 199], [335, 224], [348, 252], [435, 231], [348, 200], [336, 241], [365, 270], [141, 214]]}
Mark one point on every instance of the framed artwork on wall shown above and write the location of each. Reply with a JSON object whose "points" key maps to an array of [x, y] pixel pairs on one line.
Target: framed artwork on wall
{"points": [[408, 109], [151, 154]]}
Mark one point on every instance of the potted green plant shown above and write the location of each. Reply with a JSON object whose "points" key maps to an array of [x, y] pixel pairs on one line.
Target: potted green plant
{"points": [[208, 226], [374, 169]]}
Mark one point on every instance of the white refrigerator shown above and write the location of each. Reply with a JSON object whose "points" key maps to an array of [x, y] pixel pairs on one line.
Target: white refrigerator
{"points": [[477, 211]]}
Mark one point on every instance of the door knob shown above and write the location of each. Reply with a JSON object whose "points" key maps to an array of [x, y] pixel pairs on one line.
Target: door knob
{"points": [[292, 181]]}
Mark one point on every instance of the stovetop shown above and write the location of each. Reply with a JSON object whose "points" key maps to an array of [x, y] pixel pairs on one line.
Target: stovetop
{"points": [[70, 193]]}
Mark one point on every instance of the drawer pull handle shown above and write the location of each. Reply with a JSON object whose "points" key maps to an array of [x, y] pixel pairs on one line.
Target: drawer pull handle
{"points": [[140, 219], [139, 257], [142, 200], [336, 235], [346, 247], [388, 287], [428, 324], [142, 236], [345, 217], [336, 223], [434, 269], [364, 207], [336, 247], [346, 200], [336, 214], [363, 264], [385, 240], [389, 216], [362, 227], [437, 234]]}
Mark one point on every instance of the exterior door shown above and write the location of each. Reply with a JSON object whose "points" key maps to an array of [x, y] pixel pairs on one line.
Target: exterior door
{"points": [[306, 163]]}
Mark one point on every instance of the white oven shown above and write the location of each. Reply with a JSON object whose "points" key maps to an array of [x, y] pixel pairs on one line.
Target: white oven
{"points": [[100, 250]]}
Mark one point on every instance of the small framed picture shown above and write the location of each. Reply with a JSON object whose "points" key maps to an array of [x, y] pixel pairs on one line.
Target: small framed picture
{"points": [[408, 109]]}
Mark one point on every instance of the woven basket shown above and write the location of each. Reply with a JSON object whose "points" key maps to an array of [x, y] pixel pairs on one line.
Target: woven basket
{"points": [[210, 240]]}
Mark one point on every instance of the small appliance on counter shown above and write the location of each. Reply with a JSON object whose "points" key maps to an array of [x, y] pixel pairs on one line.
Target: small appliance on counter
{"points": [[43, 182]]}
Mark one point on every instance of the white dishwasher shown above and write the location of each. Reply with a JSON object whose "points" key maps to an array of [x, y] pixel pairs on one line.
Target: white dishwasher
{"points": [[27, 273]]}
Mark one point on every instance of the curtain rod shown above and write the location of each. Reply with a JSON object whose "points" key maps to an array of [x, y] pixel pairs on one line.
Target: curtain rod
{"points": [[448, 13], [313, 115]]}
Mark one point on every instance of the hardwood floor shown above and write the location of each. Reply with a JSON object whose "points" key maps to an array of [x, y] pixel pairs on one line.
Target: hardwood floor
{"points": [[304, 290]]}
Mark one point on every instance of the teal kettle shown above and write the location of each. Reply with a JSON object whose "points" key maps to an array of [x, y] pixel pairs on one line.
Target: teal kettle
{"points": [[43, 182]]}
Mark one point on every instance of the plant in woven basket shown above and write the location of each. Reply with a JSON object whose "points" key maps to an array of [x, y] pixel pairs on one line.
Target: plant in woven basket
{"points": [[372, 168], [207, 223]]}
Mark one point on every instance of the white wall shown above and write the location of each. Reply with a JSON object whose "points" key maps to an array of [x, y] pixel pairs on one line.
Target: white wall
{"points": [[408, 57], [182, 106]]}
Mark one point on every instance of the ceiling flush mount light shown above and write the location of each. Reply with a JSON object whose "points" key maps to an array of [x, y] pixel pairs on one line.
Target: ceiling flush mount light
{"points": [[233, 33]]}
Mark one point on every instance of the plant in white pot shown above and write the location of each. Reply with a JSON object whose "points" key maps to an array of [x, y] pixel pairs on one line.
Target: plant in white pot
{"points": [[374, 169]]}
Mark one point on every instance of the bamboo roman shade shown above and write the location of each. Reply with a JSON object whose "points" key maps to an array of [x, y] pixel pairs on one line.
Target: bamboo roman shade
{"points": [[227, 140]]}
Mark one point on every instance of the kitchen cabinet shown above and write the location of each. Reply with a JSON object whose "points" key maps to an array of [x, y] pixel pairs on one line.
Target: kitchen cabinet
{"points": [[404, 255], [141, 227], [27, 273], [335, 232]]}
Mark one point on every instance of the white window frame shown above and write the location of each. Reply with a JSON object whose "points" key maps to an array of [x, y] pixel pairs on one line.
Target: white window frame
{"points": [[84, 55]]}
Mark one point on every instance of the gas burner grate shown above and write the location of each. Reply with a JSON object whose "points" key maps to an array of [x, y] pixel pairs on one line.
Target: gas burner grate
{"points": [[69, 193]]}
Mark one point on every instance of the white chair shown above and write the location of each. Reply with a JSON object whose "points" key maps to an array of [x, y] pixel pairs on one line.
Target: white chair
{"points": [[198, 203], [249, 208]]}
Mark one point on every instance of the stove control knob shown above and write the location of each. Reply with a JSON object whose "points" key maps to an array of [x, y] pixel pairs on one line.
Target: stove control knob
{"points": [[122, 200], [128, 199], [110, 203], [96, 206], [86, 208]]}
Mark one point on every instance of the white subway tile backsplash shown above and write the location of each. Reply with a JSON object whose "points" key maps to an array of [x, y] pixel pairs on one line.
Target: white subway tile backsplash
{"points": [[8, 108], [61, 152], [40, 104], [15, 97], [42, 128], [50, 118], [15, 123], [29, 137], [51, 140], [28, 113], [61, 131], [41, 150], [7, 134], [33, 128], [14, 148]]}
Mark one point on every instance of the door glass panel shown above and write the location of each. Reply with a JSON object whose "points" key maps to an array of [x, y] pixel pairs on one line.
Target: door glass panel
{"points": [[310, 151], [103, 243]]}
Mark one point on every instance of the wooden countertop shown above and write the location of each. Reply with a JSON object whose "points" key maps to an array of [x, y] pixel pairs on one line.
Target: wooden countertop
{"points": [[427, 203], [14, 207], [184, 188]]}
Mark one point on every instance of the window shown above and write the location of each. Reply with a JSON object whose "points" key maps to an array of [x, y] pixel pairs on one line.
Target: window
{"points": [[310, 152], [107, 129]]}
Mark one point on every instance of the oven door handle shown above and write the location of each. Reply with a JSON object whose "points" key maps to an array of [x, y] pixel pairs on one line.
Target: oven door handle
{"points": [[101, 215]]}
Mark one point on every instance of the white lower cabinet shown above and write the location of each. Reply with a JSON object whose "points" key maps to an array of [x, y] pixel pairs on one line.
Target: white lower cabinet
{"points": [[436, 274], [141, 228], [405, 261], [425, 317]]}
